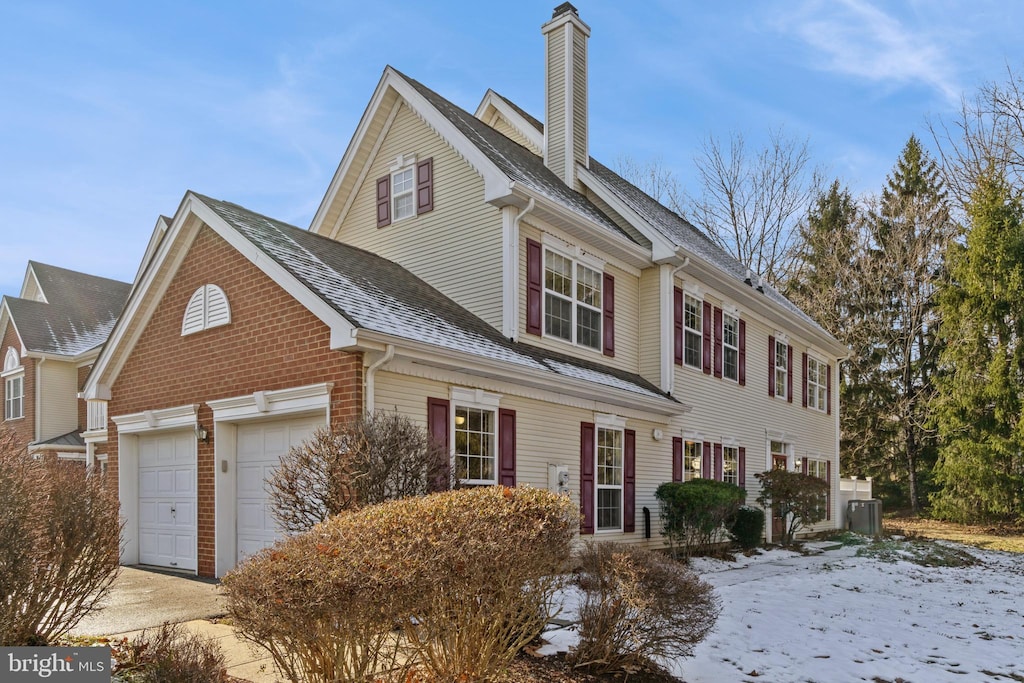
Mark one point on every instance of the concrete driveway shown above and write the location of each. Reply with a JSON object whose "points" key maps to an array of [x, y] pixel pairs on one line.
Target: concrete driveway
{"points": [[145, 598]]}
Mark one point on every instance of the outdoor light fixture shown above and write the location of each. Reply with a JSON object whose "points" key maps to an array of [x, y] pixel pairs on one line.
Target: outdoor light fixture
{"points": [[202, 434], [460, 420]]}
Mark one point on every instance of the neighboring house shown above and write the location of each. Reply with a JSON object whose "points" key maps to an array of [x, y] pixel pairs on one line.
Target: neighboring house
{"points": [[547, 321], [52, 333]]}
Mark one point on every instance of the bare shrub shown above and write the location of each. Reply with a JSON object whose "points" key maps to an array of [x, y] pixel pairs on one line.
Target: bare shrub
{"points": [[639, 607], [59, 544], [170, 654], [467, 576], [384, 456]]}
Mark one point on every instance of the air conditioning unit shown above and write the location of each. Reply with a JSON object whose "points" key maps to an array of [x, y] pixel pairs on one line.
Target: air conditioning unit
{"points": [[864, 516]]}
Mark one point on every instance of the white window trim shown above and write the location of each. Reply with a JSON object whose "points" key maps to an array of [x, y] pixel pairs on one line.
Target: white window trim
{"points": [[700, 333], [576, 256], [610, 423], [782, 389], [9, 398], [732, 445], [688, 465], [12, 362], [816, 389], [475, 399], [734, 314]]}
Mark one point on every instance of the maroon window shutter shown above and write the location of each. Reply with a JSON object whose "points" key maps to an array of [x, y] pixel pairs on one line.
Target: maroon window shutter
{"points": [[743, 353], [384, 201], [629, 482], [425, 186], [718, 461], [677, 458], [438, 422], [587, 440], [534, 289], [742, 478], [828, 389], [718, 341], [828, 496], [677, 323], [804, 363], [707, 338], [803, 465], [506, 447], [789, 374], [771, 365], [705, 461], [608, 331]]}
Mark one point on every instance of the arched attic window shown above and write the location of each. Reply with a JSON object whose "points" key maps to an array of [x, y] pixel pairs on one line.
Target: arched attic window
{"points": [[207, 308], [11, 360]]}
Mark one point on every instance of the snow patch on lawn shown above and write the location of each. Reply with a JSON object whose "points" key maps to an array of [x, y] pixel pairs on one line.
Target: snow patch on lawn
{"points": [[836, 617]]}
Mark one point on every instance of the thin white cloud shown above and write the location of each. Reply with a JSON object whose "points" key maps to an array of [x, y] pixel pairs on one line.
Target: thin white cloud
{"points": [[857, 38]]}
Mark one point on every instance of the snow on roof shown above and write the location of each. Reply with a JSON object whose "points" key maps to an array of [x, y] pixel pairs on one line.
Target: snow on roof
{"points": [[376, 294]]}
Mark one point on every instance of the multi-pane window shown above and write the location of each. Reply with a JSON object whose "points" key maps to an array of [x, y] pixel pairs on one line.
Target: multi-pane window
{"points": [[692, 331], [731, 347], [475, 445], [14, 397], [403, 197], [609, 479], [693, 460], [816, 384], [781, 368], [819, 469], [731, 465], [572, 301]]}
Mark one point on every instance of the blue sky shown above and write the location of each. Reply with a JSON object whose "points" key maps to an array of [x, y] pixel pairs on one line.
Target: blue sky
{"points": [[110, 111]]}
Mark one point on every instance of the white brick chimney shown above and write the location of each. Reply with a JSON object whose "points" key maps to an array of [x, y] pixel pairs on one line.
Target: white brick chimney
{"points": [[565, 112]]}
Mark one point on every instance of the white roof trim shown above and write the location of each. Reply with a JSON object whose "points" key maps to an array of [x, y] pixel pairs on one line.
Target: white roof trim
{"points": [[515, 119], [164, 419], [30, 275], [278, 402]]}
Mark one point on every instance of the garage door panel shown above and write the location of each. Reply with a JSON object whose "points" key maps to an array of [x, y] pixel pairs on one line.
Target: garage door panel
{"points": [[167, 504]]}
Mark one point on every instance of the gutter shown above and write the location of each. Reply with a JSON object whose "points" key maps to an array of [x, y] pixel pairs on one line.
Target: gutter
{"points": [[371, 373]]}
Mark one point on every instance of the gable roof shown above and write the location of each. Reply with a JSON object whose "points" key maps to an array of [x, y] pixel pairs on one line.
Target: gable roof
{"points": [[378, 295], [76, 316]]}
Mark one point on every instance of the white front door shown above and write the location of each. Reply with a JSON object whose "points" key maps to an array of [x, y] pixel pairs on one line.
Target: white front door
{"points": [[167, 500], [261, 446]]}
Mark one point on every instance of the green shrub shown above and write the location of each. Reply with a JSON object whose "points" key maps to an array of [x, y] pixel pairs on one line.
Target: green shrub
{"points": [[800, 498], [59, 544], [747, 527], [638, 607], [170, 655], [694, 513], [467, 576]]}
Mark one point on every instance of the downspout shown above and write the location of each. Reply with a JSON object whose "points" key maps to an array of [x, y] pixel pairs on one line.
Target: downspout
{"points": [[667, 327], [510, 303], [38, 418], [371, 372]]}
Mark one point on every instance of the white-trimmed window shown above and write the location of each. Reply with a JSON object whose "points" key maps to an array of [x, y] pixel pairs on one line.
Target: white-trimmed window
{"points": [[819, 468], [609, 477], [207, 308], [14, 386], [730, 347], [693, 326], [731, 464], [475, 432], [693, 459], [572, 300], [403, 193], [781, 368], [817, 384]]}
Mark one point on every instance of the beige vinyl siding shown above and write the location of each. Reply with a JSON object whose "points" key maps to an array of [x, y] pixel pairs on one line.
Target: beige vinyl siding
{"points": [[456, 247], [58, 392], [579, 98], [607, 210], [506, 129], [627, 306], [554, 121], [650, 340], [547, 434]]}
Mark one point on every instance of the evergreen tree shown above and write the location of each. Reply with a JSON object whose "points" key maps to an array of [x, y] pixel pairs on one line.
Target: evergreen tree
{"points": [[980, 401], [903, 273]]}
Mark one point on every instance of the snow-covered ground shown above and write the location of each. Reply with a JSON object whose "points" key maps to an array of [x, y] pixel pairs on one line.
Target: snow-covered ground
{"points": [[837, 617]]}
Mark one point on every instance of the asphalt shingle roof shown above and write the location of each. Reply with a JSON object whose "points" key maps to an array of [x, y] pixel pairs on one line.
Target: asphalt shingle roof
{"points": [[376, 294], [81, 312]]}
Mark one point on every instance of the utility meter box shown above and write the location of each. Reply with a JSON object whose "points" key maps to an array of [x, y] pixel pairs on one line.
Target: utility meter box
{"points": [[558, 479], [865, 516]]}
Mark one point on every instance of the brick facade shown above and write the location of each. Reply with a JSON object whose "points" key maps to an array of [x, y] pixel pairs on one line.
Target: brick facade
{"points": [[25, 427], [272, 342]]}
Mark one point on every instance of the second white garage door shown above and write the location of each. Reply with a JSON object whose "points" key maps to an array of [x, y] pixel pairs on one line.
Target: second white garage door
{"points": [[167, 500], [260, 449]]}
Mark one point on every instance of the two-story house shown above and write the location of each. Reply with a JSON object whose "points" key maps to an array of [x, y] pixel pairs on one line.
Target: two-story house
{"points": [[51, 335], [546, 320]]}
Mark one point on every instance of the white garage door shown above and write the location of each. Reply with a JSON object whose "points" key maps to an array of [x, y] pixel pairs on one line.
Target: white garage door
{"points": [[167, 500], [260, 448]]}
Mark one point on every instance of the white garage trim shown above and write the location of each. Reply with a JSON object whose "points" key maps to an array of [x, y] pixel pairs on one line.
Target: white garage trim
{"points": [[307, 401], [129, 428]]}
